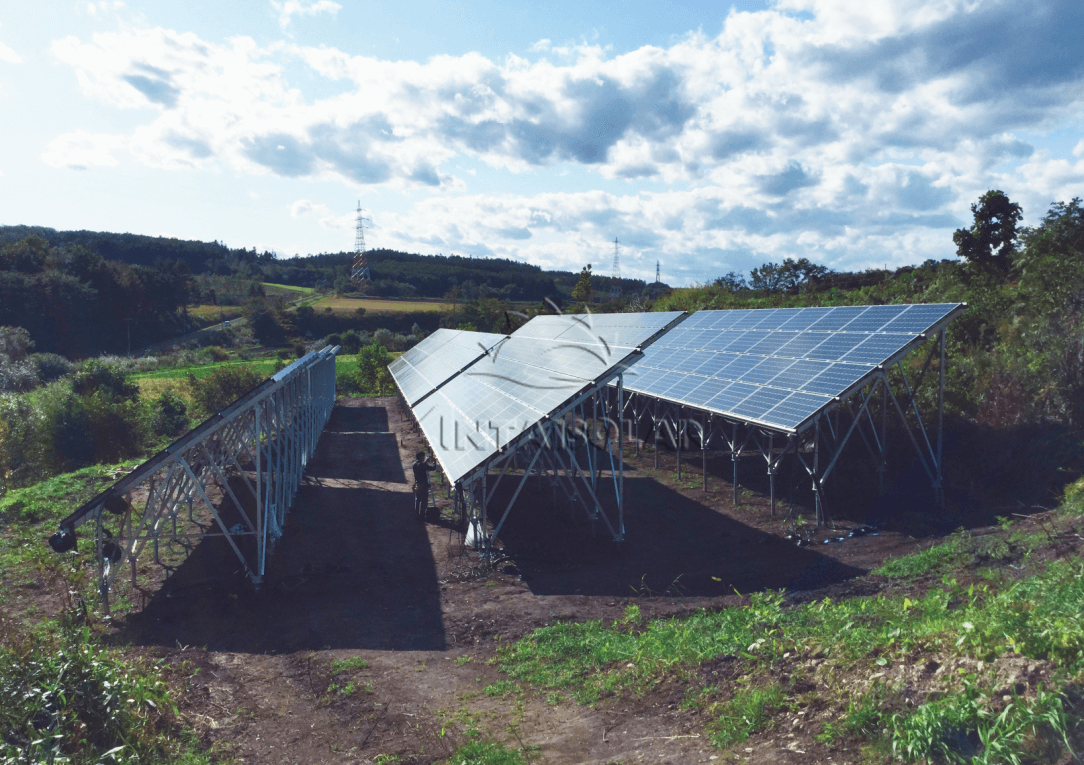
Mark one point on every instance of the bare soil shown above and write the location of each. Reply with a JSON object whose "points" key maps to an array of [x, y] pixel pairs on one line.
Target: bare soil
{"points": [[357, 577]]}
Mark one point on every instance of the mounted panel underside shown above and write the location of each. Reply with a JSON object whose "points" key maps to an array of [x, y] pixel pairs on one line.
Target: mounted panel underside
{"points": [[780, 368], [492, 403]]}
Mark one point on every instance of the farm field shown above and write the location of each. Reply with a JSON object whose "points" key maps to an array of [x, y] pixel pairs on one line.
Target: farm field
{"points": [[286, 289], [348, 305], [215, 312]]}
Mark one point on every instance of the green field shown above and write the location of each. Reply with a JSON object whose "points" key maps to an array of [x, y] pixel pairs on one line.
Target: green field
{"points": [[215, 311], [348, 305], [284, 289], [266, 366]]}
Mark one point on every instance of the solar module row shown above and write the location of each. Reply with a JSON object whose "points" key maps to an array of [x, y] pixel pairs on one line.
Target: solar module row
{"points": [[778, 367], [437, 358], [508, 389]]}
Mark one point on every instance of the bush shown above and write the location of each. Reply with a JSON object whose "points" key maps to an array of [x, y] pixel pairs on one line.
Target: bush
{"points": [[374, 379], [216, 353], [98, 376], [346, 383], [222, 387], [51, 366], [68, 426], [17, 376], [22, 442], [170, 415]]}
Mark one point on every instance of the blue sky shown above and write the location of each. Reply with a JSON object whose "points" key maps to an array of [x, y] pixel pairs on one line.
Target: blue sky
{"points": [[711, 137]]}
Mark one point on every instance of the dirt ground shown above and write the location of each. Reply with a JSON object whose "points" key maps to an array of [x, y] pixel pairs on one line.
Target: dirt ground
{"points": [[357, 577]]}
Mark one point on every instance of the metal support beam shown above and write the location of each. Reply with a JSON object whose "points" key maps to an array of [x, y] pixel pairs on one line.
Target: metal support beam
{"points": [[266, 438]]}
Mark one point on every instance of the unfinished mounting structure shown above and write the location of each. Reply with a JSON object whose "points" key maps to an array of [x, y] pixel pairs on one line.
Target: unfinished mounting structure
{"points": [[262, 441]]}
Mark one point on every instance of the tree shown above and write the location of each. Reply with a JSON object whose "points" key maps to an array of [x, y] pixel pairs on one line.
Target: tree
{"points": [[787, 276], [991, 240], [582, 291], [374, 379], [1051, 262], [732, 282]]}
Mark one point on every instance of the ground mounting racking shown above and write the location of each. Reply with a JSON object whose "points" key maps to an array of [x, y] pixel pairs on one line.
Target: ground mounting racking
{"points": [[522, 400], [773, 382], [263, 441], [767, 382]]}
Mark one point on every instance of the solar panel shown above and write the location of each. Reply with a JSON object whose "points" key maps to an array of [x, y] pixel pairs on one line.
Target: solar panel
{"points": [[480, 408], [778, 367], [437, 358]]}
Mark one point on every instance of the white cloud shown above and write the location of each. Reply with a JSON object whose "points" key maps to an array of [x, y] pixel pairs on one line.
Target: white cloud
{"points": [[303, 208], [9, 56], [851, 134], [80, 150], [287, 9]]}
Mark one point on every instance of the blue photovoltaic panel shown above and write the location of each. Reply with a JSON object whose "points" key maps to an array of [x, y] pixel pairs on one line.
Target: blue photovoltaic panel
{"points": [[778, 367]]}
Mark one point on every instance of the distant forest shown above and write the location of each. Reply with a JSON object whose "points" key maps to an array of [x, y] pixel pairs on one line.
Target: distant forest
{"points": [[394, 274]]}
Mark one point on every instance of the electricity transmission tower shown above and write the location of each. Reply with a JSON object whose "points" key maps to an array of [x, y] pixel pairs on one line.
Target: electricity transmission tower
{"points": [[359, 271], [615, 282], [657, 277]]}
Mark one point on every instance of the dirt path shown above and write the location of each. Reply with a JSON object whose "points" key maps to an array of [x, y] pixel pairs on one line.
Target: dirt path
{"points": [[357, 578]]}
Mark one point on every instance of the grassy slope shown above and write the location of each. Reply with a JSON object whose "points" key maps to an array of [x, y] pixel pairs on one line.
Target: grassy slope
{"points": [[934, 666]]}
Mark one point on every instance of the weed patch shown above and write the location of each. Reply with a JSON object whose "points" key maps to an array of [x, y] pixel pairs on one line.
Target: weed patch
{"points": [[748, 712]]}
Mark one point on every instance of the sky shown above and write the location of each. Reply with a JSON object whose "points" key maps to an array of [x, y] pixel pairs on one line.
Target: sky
{"points": [[705, 136]]}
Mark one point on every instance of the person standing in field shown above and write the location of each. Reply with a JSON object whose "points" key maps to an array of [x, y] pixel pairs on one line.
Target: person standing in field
{"points": [[422, 468]]}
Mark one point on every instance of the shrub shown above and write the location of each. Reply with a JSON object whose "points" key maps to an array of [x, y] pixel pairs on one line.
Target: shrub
{"points": [[22, 442], [51, 366], [346, 383], [97, 375], [352, 342], [68, 425], [222, 387], [17, 376], [170, 414], [216, 353], [374, 379]]}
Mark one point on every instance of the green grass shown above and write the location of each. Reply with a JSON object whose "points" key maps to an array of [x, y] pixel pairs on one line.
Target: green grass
{"points": [[345, 665], [66, 698], [937, 558], [56, 497], [486, 753], [266, 366], [284, 288], [1038, 617], [748, 712]]}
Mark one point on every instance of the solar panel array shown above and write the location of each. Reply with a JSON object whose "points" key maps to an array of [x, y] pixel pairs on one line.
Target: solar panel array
{"points": [[540, 367], [436, 359], [778, 367]]}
